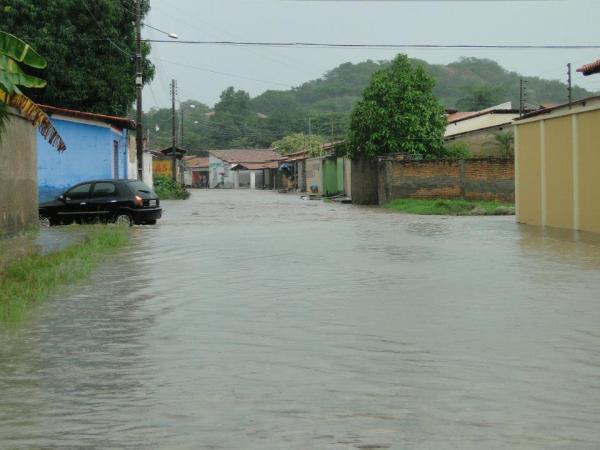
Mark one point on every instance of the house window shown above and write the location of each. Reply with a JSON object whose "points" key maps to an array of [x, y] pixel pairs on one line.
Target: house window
{"points": [[115, 159]]}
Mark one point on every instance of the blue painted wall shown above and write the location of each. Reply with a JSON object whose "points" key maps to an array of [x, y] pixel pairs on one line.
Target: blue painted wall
{"points": [[89, 156]]}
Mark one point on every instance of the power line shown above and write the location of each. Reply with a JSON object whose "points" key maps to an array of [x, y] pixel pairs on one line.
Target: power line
{"points": [[379, 46]]}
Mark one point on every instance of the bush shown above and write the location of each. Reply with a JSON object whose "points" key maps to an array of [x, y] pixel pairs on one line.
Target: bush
{"points": [[167, 189], [457, 150]]}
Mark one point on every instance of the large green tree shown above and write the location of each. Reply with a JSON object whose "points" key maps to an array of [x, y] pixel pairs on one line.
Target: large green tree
{"points": [[88, 45], [398, 114]]}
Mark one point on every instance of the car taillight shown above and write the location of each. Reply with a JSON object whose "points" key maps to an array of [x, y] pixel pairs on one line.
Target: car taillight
{"points": [[138, 201]]}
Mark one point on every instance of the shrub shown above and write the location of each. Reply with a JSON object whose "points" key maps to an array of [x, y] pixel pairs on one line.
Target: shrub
{"points": [[167, 189]]}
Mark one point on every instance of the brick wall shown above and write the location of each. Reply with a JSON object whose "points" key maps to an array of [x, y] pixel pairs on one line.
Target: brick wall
{"points": [[474, 179]]}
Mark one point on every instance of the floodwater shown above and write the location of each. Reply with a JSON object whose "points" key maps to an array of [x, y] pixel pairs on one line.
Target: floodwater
{"points": [[256, 320]]}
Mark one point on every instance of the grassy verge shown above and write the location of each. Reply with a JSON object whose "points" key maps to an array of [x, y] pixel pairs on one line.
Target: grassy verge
{"points": [[32, 278], [450, 207], [167, 189]]}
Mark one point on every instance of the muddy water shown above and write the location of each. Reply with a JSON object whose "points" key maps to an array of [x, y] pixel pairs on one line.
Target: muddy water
{"points": [[261, 321]]}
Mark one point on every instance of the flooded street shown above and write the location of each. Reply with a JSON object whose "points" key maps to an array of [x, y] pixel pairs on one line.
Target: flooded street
{"points": [[255, 320]]}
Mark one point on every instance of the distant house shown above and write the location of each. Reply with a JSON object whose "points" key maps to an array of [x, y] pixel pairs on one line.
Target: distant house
{"points": [[234, 169], [478, 128], [98, 147], [162, 163], [197, 171]]}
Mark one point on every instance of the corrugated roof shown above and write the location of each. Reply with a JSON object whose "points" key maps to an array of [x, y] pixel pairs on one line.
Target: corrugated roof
{"points": [[257, 166], [590, 69], [247, 155], [121, 122]]}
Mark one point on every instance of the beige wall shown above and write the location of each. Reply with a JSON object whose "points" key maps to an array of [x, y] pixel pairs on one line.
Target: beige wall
{"points": [[314, 174], [557, 169], [18, 177]]}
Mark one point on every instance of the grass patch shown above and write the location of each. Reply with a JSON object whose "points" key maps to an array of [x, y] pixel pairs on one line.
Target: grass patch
{"points": [[167, 189], [450, 207], [33, 278]]}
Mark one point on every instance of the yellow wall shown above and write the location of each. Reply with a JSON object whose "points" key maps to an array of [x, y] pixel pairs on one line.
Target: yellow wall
{"points": [[589, 170], [559, 173], [528, 174], [558, 170], [162, 167]]}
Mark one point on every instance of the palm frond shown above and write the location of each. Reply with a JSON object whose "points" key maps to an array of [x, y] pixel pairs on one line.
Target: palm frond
{"points": [[34, 114], [20, 51]]}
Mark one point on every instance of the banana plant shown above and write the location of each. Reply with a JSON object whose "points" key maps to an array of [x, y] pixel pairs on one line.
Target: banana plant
{"points": [[13, 52]]}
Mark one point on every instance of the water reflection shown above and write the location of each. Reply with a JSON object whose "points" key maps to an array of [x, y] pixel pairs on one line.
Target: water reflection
{"points": [[261, 321]]}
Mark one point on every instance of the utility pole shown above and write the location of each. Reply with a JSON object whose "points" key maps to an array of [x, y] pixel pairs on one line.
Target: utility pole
{"points": [[174, 129], [570, 84], [139, 83], [332, 131], [522, 97]]}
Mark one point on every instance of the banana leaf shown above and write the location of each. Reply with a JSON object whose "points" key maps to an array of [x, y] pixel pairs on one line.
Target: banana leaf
{"points": [[16, 49], [12, 76], [34, 114]]}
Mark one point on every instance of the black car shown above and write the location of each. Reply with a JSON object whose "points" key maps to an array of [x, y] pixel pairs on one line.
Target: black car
{"points": [[120, 201]]}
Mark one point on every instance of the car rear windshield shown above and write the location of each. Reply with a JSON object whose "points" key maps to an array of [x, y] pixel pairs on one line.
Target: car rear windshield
{"points": [[140, 186]]}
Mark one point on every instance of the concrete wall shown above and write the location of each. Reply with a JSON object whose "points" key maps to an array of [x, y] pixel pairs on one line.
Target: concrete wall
{"points": [[364, 182], [89, 156], [314, 175], [474, 179], [557, 167], [18, 180]]}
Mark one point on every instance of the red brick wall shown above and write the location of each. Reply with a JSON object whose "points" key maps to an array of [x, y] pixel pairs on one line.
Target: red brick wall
{"points": [[489, 179]]}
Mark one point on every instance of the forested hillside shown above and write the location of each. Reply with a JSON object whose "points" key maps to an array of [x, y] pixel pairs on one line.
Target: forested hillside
{"points": [[323, 106]]}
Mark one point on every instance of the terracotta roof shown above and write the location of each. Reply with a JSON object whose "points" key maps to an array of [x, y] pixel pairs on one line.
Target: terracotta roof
{"points": [[247, 156], [590, 69], [256, 166], [196, 162], [121, 122], [459, 115]]}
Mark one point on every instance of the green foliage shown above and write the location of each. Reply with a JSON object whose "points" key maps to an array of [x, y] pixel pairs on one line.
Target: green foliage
{"points": [[328, 102], [33, 278], [299, 142], [456, 150], [80, 38], [502, 144], [167, 189], [398, 114], [448, 207], [481, 97]]}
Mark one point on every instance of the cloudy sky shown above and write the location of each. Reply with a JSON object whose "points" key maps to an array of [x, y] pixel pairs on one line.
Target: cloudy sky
{"points": [[203, 71]]}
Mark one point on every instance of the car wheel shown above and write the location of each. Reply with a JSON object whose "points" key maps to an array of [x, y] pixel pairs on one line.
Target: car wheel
{"points": [[45, 221], [123, 219]]}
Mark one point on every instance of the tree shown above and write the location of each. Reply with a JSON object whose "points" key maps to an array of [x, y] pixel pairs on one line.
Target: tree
{"points": [[398, 114], [88, 44], [298, 142], [480, 97], [503, 144], [13, 52]]}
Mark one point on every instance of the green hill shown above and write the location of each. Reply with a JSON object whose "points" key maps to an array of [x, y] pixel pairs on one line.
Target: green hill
{"points": [[239, 121]]}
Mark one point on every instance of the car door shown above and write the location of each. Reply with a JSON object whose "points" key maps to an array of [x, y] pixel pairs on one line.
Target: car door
{"points": [[104, 200], [76, 203]]}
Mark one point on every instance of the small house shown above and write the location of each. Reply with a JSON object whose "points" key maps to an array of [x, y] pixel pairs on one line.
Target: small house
{"points": [[98, 147], [197, 171], [248, 168]]}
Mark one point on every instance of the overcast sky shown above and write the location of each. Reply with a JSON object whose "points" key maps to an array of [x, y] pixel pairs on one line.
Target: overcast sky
{"points": [[563, 22]]}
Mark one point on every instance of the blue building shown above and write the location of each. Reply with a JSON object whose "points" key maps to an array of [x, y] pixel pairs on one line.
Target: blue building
{"points": [[97, 148]]}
